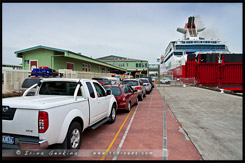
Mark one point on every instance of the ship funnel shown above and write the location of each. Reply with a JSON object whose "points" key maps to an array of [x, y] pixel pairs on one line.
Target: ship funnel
{"points": [[190, 31]]}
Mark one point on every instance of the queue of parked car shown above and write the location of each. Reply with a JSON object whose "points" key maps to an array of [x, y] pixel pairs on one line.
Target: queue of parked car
{"points": [[127, 92], [100, 99]]}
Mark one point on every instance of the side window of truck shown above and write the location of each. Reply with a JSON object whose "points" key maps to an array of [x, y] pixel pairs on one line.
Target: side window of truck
{"points": [[90, 89], [100, 91]]}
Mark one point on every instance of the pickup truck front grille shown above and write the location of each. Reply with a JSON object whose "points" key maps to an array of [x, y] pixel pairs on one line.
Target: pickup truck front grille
{"points": [[8, 113]]}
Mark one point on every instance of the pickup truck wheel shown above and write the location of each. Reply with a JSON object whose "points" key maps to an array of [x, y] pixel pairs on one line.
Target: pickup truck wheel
{"points": [[74, 136], [113, 115]]}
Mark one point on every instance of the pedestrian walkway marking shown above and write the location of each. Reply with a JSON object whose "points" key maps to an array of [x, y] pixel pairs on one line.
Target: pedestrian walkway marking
{"points": [[124, 136], [103, 157]]}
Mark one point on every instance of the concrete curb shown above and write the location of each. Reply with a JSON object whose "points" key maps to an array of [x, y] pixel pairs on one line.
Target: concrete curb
{"points": [[219, 90]]}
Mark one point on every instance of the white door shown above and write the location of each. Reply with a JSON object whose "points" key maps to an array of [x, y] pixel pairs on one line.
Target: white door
{"points": [[93, 102], [102, 100]]}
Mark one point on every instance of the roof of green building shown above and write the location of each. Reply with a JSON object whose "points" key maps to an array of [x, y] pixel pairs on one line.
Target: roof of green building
{"points": [[118, 58], [66, 54]]}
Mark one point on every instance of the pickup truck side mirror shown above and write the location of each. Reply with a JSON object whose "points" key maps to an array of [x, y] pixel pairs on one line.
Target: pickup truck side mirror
{"points": [[108, 92]]}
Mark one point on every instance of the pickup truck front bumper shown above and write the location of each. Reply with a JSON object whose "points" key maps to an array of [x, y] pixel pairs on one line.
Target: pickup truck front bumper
{"points": [[26, 143]]}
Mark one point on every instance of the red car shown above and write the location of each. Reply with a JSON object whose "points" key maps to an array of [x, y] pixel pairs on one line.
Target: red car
{"points": [[125, 95]]}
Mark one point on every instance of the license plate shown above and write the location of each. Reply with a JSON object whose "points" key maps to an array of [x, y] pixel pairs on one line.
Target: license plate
{"points": [[7, 139]]}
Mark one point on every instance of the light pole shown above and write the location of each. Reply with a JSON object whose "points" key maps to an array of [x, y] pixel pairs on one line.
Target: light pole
{"points": [[158, 60]]}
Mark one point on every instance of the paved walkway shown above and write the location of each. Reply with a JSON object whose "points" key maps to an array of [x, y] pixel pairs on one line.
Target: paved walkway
{"points": [[148, 132]]}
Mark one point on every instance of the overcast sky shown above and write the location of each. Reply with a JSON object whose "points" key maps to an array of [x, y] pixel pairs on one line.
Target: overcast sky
{"points": [[133, 30]]}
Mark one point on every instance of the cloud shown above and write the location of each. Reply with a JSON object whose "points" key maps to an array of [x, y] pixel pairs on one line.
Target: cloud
{"points": [[133, 30]]}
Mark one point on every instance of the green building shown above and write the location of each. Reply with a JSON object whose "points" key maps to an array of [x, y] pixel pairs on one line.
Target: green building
{"points": [[135, 67], [43, 56]]}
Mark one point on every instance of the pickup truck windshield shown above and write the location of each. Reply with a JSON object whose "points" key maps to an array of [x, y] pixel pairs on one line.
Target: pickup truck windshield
{"points": [[59, 88]]}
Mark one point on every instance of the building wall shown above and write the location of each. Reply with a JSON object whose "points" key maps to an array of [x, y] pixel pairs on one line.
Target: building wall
{"points": [[60, 63], [42, 55], [47, 58], [130, 64]]}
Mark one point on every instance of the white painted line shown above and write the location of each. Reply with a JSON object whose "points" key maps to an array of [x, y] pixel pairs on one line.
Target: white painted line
{"points": [[125, 134]]}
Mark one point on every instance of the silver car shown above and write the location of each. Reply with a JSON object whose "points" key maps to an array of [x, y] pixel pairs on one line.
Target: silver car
{"points": [[136, 84], [147, 85]]}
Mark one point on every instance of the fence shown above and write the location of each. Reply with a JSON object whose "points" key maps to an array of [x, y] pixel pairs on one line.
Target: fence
{"points": [[12, 79], [183, 82]]}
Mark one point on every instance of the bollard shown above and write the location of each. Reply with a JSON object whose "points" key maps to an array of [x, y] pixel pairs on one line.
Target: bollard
{"points": [[221, 90]]}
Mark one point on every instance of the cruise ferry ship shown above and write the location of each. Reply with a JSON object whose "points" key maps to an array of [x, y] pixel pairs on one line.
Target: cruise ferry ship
{"points": [[175, 55]]}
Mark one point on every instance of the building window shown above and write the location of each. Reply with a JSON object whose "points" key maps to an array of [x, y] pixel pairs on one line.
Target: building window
{"points": [[139, 64], [146, 65], [136, 64], [85, 67], [103, 70], [69, 65], [89, 67]]}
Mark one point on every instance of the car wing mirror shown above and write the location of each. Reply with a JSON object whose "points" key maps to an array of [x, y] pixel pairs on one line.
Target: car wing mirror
{"points": [[108, 92]]}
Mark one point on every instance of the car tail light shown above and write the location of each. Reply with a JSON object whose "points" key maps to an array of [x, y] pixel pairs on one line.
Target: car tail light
{"points": [[43, 122], [102, 83], [123, 98], [148, 84], [137, 87]]}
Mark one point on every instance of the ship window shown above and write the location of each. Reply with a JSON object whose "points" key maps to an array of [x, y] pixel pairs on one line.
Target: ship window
{"points": [[168, 57]]}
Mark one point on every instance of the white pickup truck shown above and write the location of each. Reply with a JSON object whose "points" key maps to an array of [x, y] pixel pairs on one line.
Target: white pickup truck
{"points": [[57, 115]]}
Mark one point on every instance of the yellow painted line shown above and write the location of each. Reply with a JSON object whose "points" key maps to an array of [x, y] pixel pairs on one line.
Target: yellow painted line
{"points": [[115, 137]]}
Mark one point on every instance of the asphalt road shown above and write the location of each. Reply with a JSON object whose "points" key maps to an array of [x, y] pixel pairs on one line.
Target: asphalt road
{"points": [[212, 120]]}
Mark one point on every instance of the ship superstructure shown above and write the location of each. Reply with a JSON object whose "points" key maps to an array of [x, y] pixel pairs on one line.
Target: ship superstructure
{"points": [[175, 55]]}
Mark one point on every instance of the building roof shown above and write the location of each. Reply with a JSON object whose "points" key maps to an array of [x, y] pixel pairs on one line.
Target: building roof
{"points": [[115, 58], [40, 47], [66, 54]]}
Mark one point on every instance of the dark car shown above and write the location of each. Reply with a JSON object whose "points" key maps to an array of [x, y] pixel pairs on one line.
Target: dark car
{"points": [[27, 83], [151, 81], [125, 95], [102, 81]]}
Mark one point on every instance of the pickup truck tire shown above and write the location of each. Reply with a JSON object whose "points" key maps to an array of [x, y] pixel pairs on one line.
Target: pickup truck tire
{"points": [[74, 136], [113, 114]]}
